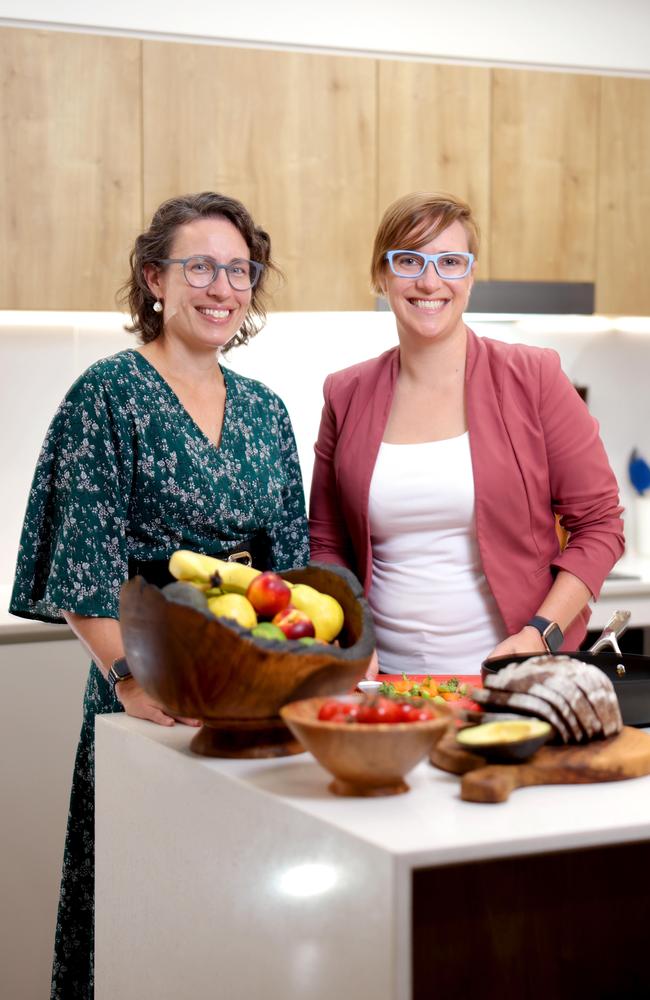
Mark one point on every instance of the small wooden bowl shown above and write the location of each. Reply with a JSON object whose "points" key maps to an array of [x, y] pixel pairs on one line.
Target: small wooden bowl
{"points": [[199, 667], [365, 759]]}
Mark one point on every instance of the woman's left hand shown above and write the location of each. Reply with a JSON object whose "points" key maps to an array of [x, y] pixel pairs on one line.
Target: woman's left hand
{"points": [[527, 642]]}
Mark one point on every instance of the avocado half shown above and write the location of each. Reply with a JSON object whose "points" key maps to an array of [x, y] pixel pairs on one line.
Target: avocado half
{"points": [[509, 741]]}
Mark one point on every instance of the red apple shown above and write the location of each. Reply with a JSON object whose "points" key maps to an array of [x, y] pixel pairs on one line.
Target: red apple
{"points": [[269, 594], [294, 623]]}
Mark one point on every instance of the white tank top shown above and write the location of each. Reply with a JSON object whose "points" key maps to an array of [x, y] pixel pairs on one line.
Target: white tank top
{"points": [[434, 612]]}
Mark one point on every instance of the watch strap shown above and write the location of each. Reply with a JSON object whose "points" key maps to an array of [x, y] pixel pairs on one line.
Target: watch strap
{"points": [[118, 671], [550, 632]]}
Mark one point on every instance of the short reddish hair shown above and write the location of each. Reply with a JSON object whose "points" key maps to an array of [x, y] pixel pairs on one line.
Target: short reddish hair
{"points": [[413, 220]]}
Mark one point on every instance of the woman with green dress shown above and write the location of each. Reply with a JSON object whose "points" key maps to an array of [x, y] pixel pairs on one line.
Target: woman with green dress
{"points": [[156, 448]]}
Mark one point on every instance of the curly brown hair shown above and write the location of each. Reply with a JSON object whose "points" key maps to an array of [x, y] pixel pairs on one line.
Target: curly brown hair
{"points": [[156, 242]]}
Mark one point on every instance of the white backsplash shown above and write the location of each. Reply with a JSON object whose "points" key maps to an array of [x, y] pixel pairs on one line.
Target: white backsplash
{"points": [[42, 353]]}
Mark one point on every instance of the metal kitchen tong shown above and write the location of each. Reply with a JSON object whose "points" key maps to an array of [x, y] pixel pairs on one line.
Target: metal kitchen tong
{"points": [[614, 628]]}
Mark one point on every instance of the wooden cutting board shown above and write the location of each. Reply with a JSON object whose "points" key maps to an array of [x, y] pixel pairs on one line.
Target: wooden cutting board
{"points": [[626, 755]]}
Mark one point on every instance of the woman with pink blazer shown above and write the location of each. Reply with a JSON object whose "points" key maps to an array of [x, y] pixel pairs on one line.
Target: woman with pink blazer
{"points": [[441, 464]]}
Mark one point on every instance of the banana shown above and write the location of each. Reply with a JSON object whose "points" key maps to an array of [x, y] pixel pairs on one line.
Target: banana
{"points": [[234, 577]]}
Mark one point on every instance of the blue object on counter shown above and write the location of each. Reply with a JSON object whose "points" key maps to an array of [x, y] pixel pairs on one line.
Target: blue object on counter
{"points": [[639, 471]]}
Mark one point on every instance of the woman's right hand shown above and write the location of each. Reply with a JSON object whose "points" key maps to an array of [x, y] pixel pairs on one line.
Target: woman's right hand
{"points": [[140, 705], [373, 668]]}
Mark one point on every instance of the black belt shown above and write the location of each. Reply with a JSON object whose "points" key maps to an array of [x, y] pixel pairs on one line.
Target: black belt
{"points": [[253, 551]]}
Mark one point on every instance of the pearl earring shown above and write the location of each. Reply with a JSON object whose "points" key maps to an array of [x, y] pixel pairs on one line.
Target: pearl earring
{"points": [[157, 306]]}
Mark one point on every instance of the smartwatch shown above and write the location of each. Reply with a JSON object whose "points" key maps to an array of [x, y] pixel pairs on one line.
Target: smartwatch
{"points": [[119, 671], [550, 632]]}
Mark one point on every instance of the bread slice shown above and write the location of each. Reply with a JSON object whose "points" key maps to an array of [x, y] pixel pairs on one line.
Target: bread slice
{"points": [[530, 678], [599, 691], [526, 704]]}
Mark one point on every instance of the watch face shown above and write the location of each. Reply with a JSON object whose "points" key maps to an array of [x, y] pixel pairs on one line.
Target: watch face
{"points": [[119, 671], [121, 668], [553, 637]]}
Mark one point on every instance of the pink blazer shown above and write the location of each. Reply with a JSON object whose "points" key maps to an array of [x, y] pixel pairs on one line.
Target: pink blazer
{"points": [[535, 450]]}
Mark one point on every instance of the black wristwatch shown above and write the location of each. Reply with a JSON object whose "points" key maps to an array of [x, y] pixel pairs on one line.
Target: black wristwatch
{"points": [[550, 632], [119, 671]]}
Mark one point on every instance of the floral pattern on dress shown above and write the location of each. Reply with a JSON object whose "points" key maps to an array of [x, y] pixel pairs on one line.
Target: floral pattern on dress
{"points": [[126, 474]]}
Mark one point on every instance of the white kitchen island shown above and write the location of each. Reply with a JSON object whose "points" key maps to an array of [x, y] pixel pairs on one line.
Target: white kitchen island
{"points": [[245, 879]]}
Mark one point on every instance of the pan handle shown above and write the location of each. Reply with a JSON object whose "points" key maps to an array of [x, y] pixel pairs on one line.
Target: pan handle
{"points": [[614, 628]]}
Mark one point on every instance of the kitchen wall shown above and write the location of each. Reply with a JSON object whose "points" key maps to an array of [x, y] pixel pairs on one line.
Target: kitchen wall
{"points": [[582, 34], [41, 354]]}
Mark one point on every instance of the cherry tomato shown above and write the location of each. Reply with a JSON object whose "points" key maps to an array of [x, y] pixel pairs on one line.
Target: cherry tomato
{"points": [[406, 711], [388, 710], [336, 711], [367, 713], [328, 710], [378, 710]]}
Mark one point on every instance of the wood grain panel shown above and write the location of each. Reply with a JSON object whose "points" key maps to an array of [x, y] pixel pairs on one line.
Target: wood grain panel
{"points": [[70, 167], [434, 135], [537, 926], [623, 286], [290, 134], [544, 155]]}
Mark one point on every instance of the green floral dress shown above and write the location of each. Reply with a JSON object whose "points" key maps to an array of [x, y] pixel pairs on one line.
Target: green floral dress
{"points": [[126, 474]]}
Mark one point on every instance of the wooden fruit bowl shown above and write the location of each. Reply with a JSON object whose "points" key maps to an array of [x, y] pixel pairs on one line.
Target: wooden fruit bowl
{"points": [[365, 759], [199, 667]]}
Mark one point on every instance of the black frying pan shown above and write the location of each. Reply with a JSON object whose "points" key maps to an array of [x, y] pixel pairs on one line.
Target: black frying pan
{"points": [[628, 672]]}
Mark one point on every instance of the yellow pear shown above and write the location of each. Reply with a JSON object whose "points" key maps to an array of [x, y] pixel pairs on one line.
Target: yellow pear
{"points": [[234, 606], [325, 611]]}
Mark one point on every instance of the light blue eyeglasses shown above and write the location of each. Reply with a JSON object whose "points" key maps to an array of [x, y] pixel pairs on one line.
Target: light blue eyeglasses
{"points": [[412, 263]]}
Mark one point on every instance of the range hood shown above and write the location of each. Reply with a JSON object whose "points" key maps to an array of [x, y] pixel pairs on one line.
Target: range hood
{"points": [[559, 297]]}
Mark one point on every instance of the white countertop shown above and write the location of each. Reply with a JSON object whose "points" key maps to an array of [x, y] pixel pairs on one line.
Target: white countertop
{"points": [[630, 576], [430, 825]]}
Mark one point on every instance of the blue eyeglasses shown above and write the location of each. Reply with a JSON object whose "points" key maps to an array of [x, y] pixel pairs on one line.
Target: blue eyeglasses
{"points": [[412, 263]]}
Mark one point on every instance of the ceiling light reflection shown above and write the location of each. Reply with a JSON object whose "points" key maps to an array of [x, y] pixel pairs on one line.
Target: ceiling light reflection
{"points": [[306, 880]]}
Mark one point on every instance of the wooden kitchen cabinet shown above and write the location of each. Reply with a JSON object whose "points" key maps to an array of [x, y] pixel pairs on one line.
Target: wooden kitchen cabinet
{"points": [[96, 131], [543, 176], [434, 135], [70, 166], [623, 198], [292, 135]]}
